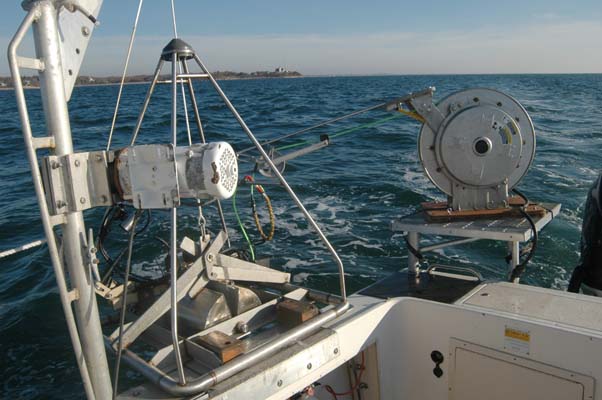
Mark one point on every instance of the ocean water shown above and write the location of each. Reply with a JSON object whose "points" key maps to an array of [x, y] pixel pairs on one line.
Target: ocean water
{"points": [[354, 188]]}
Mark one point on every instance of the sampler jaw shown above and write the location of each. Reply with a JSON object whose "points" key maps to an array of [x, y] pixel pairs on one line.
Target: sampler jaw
{"points": [[475, 146]]}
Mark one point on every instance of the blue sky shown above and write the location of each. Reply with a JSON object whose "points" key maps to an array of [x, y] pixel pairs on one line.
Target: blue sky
{"points": [[351, 37]]}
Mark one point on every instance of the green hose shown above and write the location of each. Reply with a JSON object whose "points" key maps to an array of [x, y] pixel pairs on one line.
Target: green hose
{"points": [[242, 227]]}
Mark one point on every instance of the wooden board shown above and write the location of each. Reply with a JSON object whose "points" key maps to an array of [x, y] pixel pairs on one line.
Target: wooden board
{"points": [[291, 312], [439, 211], [226, 347]]}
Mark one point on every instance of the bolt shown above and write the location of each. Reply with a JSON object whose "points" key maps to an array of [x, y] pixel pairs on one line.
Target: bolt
{"points": [[98, 158], [189, 153], [60, 204], [210, 257], [279, 383], [85, 31], [154, 168], [103, 198], [82, 200], [55, 164], [336, 350], [309, 366], [77, 163], [242, 327]]}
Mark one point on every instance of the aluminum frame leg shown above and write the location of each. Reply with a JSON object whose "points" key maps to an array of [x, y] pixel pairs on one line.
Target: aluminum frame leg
{"points": [[413, 262]]}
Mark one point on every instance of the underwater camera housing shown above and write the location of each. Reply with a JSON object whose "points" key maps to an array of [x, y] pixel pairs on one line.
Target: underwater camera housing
{"points": [[475, 146]]}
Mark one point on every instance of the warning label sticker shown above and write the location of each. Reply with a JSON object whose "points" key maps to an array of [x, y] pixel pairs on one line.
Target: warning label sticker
{"points": [[517, 340]]}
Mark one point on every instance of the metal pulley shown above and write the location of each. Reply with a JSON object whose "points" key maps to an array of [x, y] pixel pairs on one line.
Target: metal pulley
{"points": [[475, 146]]}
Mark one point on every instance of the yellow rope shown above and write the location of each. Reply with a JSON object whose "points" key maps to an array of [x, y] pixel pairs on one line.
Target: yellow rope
{"points": [[268, 204], [412, 114]]}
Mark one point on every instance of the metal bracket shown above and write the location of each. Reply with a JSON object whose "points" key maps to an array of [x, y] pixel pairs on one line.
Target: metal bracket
{"points": [[230, 268], [152, 174], [423, 104], [91, 253], [192, 279], [73, 295], [76, 182], [76, 30], [30, 63], [43, 142]]}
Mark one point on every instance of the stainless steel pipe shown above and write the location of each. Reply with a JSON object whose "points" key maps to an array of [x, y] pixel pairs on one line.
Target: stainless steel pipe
{"points": [[212, 378]]}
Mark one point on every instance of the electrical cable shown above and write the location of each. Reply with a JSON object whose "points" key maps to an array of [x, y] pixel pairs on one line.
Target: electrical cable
{"points": [[124, 303], [521, 267], [268, 203], [118, 212], [415, 252], [335, 395], [242, 227]]}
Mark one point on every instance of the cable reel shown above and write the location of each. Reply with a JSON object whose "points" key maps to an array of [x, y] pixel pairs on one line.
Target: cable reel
{"points": [[475, 146]]}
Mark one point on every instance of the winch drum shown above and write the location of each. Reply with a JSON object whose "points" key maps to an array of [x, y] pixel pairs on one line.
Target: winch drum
{"points": [[480, 151]]}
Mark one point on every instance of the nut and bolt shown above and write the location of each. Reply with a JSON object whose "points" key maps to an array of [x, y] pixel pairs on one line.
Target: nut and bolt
{"points": [[82, 200], [55, 164], [242, 327], [60, 204], [85, 31], [77, 163]]}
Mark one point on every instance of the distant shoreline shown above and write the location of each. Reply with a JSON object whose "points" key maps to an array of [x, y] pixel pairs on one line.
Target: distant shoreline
{"points": [[32, 82], [298, 75]]}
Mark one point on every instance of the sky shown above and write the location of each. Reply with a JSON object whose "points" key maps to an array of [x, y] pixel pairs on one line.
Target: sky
{"points": [[352, 37]]}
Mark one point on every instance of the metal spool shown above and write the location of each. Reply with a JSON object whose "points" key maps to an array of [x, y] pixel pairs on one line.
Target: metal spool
{"points": [[481, 150]]}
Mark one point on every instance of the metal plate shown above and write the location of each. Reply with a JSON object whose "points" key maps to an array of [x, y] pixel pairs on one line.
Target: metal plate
{"points": [[506, 229], [286, 367], [75, 33], [448, 156], [76, 182], [152, 174]]}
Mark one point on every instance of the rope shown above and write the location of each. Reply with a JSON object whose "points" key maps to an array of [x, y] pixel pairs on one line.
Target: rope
{"points": [[359, 127], [24, 247], [125, 68]]}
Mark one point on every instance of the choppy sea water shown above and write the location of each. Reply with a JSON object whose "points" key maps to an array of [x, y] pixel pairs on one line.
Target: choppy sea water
{"points": [[354, 188]]}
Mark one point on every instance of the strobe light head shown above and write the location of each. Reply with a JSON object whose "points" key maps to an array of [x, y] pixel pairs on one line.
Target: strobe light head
{"points": [[157, 176], [475, 146]]}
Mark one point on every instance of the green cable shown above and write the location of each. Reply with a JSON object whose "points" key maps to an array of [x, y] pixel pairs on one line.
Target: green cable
{"points": [[242, 228], [346, 131]]}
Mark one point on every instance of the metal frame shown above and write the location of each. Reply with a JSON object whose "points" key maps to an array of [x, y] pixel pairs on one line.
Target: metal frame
{"points": [[84, 327], [510, 230]]}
